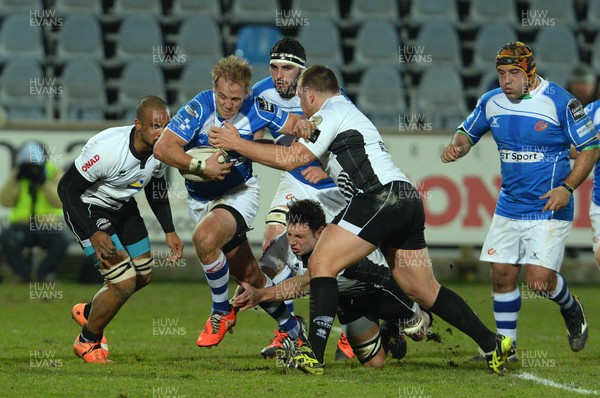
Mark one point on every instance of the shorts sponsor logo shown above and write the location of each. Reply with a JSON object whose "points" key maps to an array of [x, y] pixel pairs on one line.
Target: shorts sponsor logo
{"points": [[491, 251], [520, 157], [102, 224], [541, 125], [93, 160], [323, 321]]}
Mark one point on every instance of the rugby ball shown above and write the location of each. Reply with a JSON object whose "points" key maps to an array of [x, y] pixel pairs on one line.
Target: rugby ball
{"points": [[203, 153]]}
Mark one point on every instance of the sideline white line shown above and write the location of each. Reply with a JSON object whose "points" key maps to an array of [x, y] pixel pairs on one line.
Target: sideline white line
{"points": [[550, 383]]}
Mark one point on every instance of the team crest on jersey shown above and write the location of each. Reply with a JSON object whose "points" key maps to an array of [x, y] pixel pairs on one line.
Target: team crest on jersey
{"points": [[576, 110], [102, 224], [316, 119], [264, 105]]}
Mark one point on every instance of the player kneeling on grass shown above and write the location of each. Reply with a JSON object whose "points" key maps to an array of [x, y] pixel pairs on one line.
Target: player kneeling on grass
{"points": [[97, 195], [368, 291]]}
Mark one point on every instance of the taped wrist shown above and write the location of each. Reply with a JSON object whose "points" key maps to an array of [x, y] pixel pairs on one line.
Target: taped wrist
{"points": [[197, 166]]}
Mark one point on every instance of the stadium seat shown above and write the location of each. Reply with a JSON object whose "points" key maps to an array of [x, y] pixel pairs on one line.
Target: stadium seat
{"points": [[83, 96], [68, 7], [484, 12], [254, 43], [321, 40], [254, 12], [210, 48], [138, 79], [433, 10], [441, 97], [385, 52], [80, 37], [329, 9], [381, 95], [555, 50], [18, 39], [196, 77], [596, 54], [139, 38], [196, 8], [124, 8], [24, 90], [438, 40], [552, 13], [365, 11], [24, 7], [488, 80], [490, 38]]}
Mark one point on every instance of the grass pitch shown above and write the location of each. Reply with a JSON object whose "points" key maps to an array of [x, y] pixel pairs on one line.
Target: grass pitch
{"points": [[152, 342]]}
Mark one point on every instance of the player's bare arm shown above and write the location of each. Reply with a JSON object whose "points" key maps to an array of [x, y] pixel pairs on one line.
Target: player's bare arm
{"points": [[314, 174], [459, 147], [288, 289], [559, 197], [276, 156], [169, 150]]}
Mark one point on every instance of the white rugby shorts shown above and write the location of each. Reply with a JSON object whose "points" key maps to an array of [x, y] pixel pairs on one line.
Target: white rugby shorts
{"points": [[245, 198], [537, 242], [595, 219], [289, 188]]}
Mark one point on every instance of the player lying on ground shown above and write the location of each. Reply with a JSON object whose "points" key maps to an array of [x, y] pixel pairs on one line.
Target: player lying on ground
{"points": [[367, 290]]}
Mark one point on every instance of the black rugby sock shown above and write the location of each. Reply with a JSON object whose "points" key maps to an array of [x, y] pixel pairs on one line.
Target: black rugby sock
{"points": [[89, 336], [453, 309], [323, 306]]}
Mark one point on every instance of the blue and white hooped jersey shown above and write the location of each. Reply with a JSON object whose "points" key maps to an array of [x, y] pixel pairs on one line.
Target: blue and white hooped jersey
{"points": [[194, 120], [593, 112], [266, 89], [533, 136]]}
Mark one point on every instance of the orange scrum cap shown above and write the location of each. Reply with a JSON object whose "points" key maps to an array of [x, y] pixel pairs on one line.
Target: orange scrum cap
{"points": [[519, 55]]}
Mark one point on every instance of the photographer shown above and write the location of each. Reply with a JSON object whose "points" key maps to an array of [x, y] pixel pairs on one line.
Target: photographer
{"points": [[36, 216]]}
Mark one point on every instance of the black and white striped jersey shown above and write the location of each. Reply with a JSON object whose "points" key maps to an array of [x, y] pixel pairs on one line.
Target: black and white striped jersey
{"points": [[352, 148]]}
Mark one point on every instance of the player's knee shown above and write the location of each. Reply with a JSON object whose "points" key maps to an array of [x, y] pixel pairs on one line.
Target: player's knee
{"points": [[125, 288], [143, 268], [205, 244], [377, 362]]}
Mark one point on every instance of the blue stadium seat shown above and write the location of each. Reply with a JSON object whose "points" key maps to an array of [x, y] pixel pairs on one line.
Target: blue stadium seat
{"points": [[196, 77], [490, 38], [138, 79], [18, 39], [484, 12], [139, 37], [381, 95], [441, 97], [83, 96], [254, 43], [210, 48], [321, 40], [80, 37], [25, 91], [68, 7], [385, 52]]}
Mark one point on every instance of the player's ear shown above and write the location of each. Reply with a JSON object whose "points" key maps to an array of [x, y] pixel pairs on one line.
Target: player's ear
{"points": [[138, 124]]}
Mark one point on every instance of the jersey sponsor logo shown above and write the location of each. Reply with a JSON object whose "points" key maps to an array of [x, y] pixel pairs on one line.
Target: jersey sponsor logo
{"points": [[190, 111], [585, 129], [576, 110], [541, 125], [264, 105], [520, 157], [495, 122], [93, 160], [102, 224]]}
